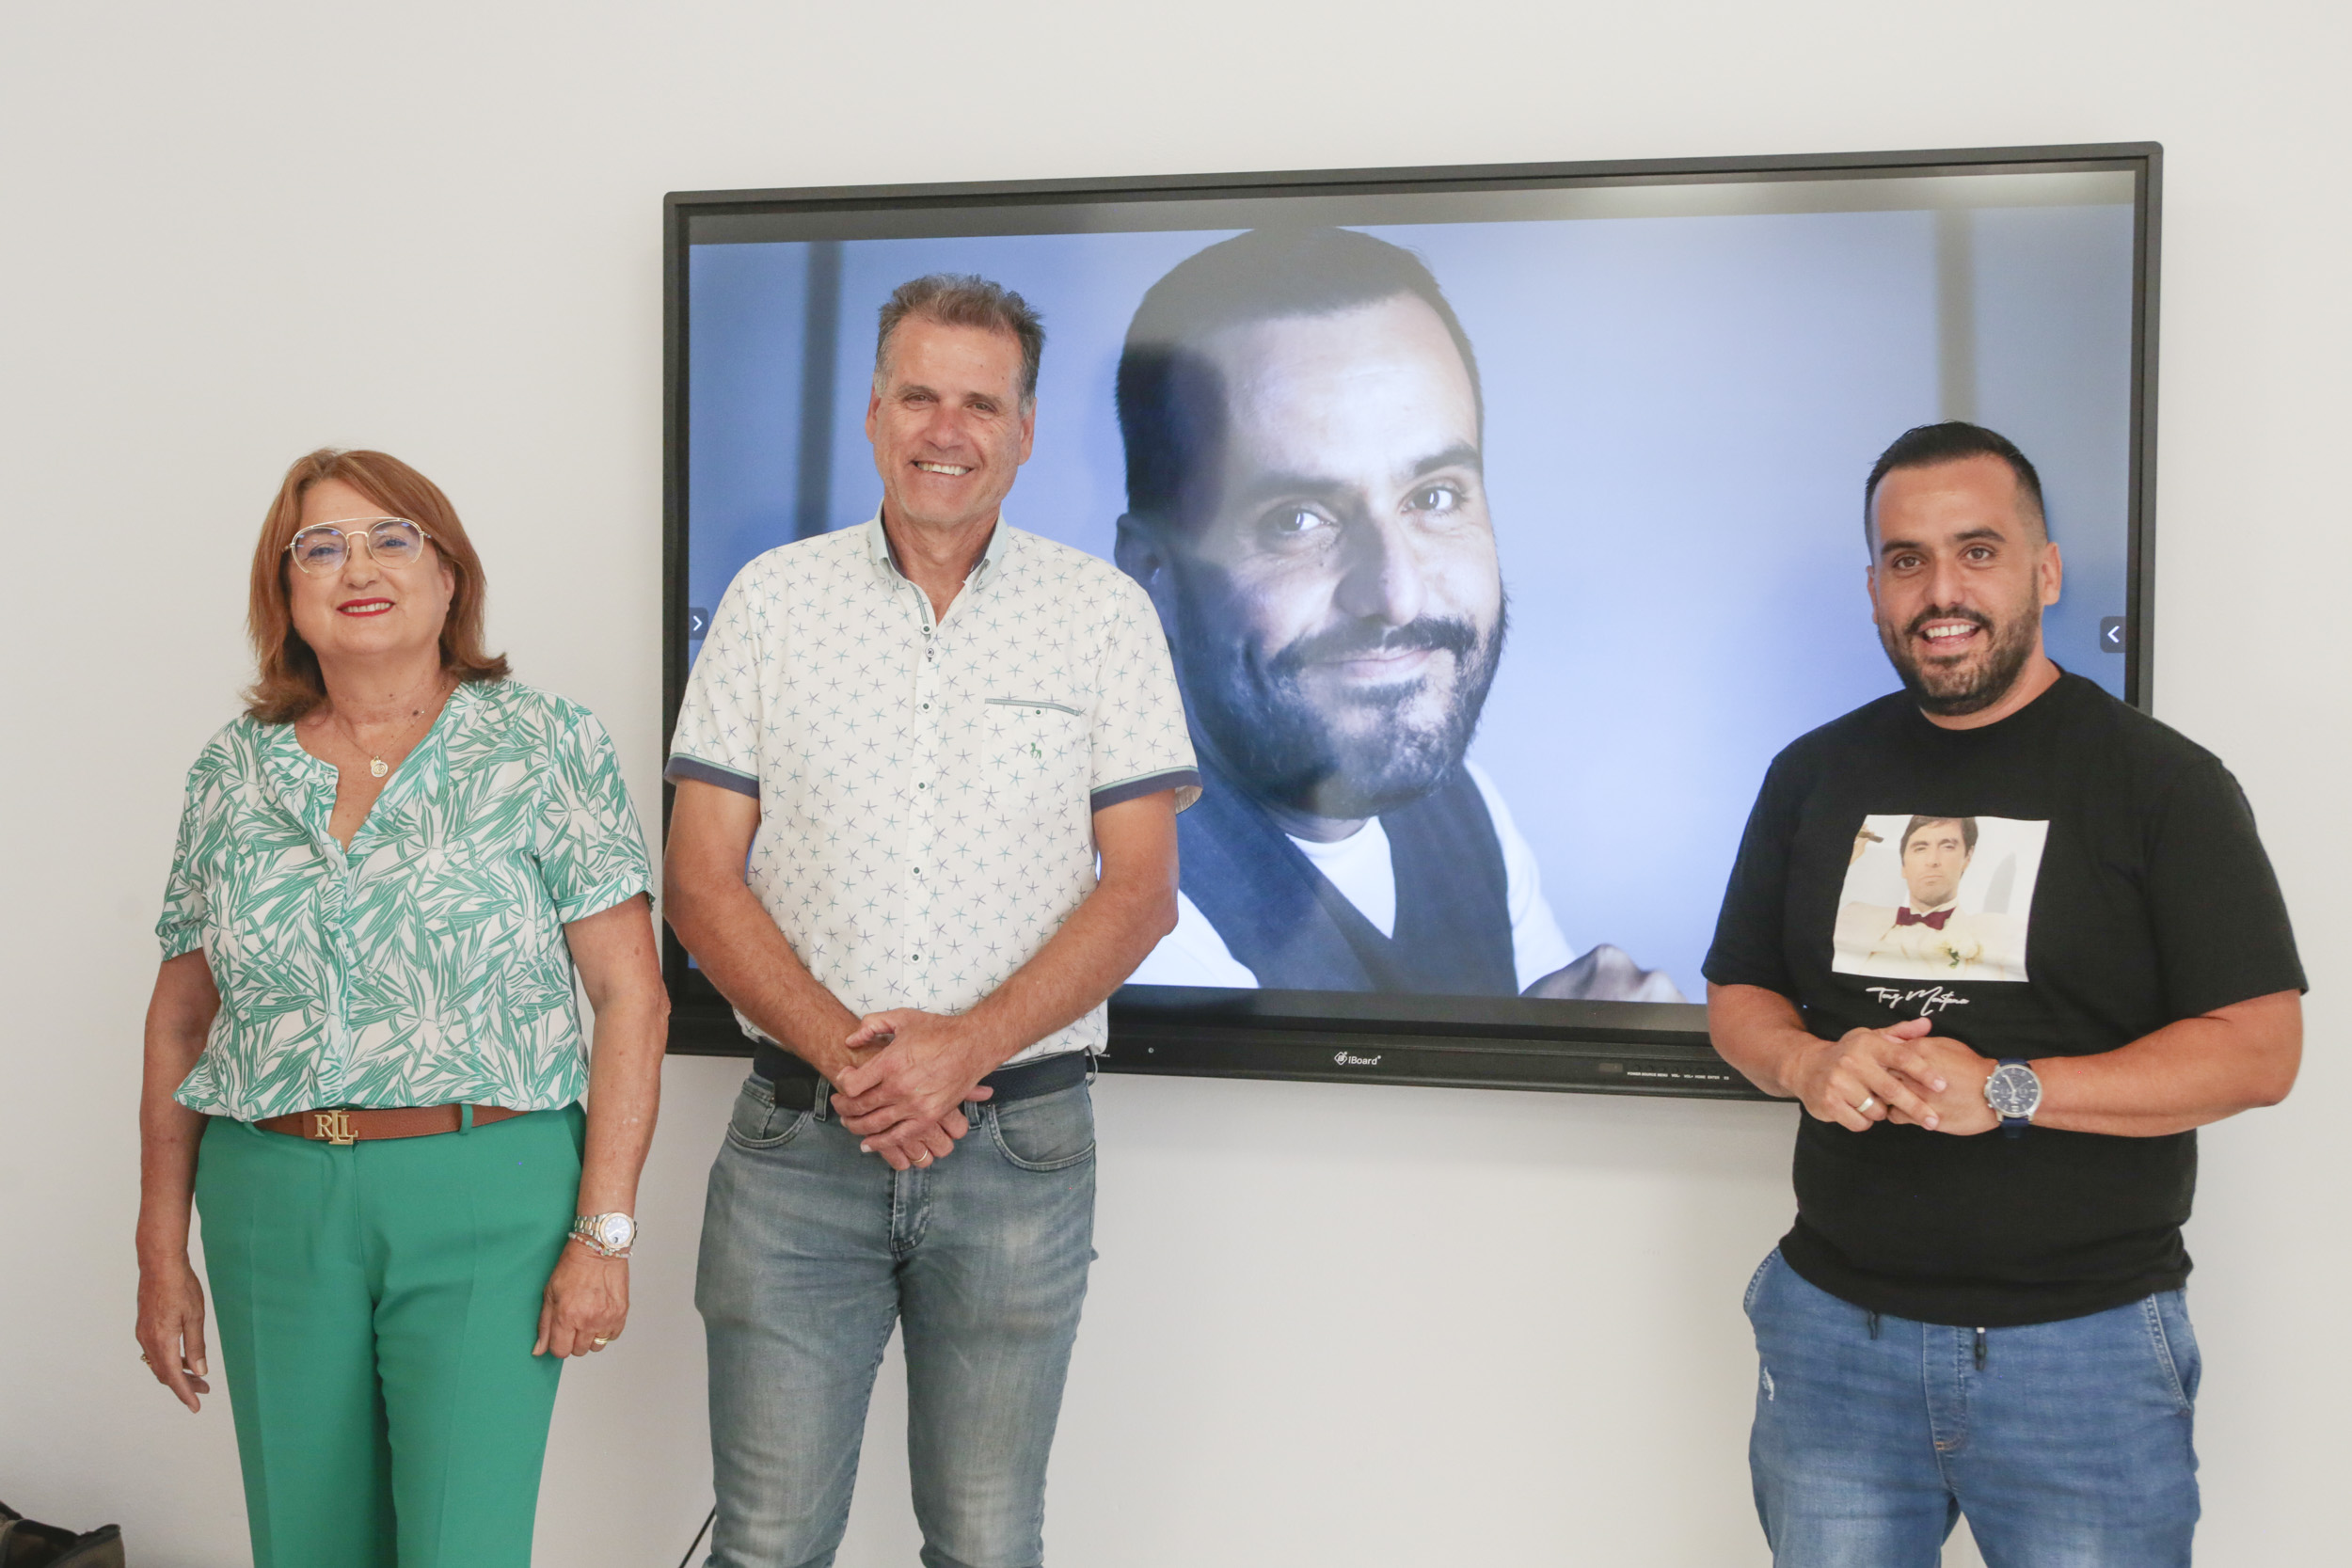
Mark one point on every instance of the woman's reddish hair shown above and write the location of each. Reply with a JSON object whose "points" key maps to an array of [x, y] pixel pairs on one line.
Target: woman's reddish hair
{"points": [[287, 684]]}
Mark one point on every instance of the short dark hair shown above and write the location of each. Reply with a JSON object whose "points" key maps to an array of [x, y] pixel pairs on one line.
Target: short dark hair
{"points": [[1262, 275], [1967, 832], [963, 299], [1926, 446]]}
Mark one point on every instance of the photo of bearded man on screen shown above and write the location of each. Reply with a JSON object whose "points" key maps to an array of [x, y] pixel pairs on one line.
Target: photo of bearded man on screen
{"points": [[1305, 505]]}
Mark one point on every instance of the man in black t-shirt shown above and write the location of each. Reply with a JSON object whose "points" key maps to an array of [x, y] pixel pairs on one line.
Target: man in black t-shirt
{"points": [[2009, 940]]}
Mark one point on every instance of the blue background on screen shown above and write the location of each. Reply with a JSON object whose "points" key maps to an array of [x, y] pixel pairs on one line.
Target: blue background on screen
{"points": [[1680, 413]]}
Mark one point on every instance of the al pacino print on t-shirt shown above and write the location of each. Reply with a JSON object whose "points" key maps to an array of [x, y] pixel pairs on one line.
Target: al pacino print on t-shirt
{"points": [[1938, 898]]}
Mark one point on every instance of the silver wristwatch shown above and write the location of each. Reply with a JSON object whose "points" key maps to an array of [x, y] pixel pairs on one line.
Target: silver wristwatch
{"points": [[606, 1235]]}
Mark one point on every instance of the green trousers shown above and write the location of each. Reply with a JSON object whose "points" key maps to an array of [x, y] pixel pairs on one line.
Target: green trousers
{"points": [[376, 1304]]}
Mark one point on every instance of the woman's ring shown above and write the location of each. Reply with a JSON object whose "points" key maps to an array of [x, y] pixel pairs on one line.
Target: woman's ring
{"points": [[1867, 1101], [601, 1342]]}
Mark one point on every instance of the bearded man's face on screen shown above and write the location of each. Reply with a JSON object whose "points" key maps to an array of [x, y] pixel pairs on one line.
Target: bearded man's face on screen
{"points": [[1329, 584]]}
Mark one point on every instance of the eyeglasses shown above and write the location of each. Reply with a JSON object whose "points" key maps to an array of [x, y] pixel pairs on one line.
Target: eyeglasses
{"points": [[323, 548]]}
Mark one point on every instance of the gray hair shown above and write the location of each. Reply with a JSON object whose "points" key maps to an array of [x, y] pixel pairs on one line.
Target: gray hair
{"points": [[964, 299]]}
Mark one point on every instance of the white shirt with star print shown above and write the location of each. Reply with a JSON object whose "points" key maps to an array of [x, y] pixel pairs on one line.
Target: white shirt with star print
{"points": [[926, 790]]}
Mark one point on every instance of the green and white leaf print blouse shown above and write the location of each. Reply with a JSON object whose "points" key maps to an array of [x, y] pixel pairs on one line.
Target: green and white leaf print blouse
{"points": [[427, 964]]}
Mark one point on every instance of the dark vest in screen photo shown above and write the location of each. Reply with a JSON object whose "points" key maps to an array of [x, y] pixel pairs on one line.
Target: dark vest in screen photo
{"points": [[1283, 919]]}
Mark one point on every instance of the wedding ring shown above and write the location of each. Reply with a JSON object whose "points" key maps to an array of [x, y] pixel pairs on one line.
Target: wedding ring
{"points": [[600, 1343], [922, 1158], [1867, 1101]]}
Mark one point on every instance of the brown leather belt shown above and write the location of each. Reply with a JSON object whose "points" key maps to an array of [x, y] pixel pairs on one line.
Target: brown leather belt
{"points": [[406, 1121]]}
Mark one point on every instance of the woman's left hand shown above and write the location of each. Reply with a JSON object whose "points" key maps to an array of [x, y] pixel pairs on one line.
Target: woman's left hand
{"points": [[585, 1305]]}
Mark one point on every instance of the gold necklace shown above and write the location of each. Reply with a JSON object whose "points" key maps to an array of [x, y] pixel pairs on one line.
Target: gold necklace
{"points": [[377, 766]]}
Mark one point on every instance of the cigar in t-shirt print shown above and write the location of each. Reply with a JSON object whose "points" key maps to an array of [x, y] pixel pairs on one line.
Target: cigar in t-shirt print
{"points": [[1944, 898]]}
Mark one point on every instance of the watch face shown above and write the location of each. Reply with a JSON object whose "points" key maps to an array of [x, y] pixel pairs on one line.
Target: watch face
{"points": [[2014, 1090], [615, 1230]]}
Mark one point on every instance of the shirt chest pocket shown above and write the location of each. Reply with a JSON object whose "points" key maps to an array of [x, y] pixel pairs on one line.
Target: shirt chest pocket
{"points": [[1034, 757]]}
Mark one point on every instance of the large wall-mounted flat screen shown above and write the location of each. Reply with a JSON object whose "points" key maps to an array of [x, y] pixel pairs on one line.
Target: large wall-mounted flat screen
{"points": [[1504, 522]]}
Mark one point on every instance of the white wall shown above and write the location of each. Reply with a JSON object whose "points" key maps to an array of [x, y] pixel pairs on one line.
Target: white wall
{"points": [[1331, 1325]]}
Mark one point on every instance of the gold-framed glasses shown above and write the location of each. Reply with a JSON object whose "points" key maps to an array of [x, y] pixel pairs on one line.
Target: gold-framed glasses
{"points": [[323, 548]]}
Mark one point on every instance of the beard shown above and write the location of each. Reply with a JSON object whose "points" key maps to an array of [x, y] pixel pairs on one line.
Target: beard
{"points": [[1347, 758], [1954, 688]]}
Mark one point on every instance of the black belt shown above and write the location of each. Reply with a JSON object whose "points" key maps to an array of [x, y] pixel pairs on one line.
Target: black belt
{"points": [[795, 1080]]}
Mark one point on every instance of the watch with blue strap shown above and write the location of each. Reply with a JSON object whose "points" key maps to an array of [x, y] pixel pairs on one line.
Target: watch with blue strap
{"points": [[2014, 1092]]}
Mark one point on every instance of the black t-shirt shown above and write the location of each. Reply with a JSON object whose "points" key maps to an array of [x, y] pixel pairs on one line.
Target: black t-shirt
{"points": [[2057, 885]]}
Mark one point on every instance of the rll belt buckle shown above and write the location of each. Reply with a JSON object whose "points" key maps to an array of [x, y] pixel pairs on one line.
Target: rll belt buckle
{"points": [[335, 1127]]}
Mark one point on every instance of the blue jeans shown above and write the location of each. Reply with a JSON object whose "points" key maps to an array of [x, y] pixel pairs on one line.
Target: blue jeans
{"points": [[2069, 1446], [811, 1251]]}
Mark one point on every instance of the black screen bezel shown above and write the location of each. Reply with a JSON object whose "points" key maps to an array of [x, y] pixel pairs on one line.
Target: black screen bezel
{"points": [[1593, 1047]]}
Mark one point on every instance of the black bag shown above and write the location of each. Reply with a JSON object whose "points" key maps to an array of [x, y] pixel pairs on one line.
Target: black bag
{"points": [[26, 1545]]}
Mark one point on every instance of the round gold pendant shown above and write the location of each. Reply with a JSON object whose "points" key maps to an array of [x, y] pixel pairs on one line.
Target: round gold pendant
{"points": [[377, 766]]}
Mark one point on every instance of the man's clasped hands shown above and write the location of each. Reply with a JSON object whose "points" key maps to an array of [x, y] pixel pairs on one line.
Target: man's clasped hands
{"points": [[914, 1072], [1903, 1073]]}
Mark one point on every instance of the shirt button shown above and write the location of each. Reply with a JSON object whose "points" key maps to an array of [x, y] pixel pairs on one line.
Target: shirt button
{"points": [[922, 786]]}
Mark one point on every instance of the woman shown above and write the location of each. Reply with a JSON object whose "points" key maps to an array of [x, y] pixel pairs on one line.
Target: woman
{"points": [[364, 1060]]}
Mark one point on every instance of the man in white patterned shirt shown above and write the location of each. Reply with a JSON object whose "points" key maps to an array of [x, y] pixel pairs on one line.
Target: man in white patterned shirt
{"points": [[901, 752]]}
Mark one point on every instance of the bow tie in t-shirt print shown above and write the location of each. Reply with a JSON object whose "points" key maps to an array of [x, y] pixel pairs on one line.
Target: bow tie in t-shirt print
{"points": [[1974, 875]]}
